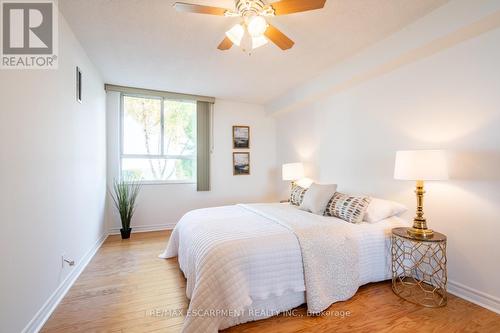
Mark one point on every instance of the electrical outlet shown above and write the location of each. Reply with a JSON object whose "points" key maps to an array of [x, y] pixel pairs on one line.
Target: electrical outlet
{"points": [[68, 261]]}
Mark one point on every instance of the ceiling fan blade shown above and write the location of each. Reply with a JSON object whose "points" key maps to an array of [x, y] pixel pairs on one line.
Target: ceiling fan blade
{"points": [[226, 44], [279, 38], [199, 9], [284, 7]]}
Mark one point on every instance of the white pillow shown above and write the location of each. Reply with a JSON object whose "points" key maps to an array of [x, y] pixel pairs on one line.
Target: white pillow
{"points": [[316, 198], [380, 209]]}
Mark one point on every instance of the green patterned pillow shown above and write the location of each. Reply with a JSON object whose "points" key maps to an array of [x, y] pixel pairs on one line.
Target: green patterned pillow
{"points": [[348, 208], [297, 195]]}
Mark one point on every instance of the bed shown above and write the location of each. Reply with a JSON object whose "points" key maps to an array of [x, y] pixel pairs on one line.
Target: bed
{"points": [[249, 262]]}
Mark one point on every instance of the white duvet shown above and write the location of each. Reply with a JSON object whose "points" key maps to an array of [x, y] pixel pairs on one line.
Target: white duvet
{"points": [[248, 262]]}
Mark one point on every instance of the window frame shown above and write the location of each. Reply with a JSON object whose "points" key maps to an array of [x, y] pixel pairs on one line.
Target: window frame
{"points": [[162, 138]]}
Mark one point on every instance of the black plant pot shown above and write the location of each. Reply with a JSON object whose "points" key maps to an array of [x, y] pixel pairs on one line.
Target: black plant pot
{"points": [[126, 233]]}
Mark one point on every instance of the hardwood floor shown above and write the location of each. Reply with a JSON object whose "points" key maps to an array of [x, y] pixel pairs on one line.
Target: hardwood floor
{"points": [[125, 284]]}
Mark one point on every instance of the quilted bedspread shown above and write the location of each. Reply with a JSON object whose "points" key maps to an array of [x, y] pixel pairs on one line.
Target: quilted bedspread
{"points": [[233, 255]]}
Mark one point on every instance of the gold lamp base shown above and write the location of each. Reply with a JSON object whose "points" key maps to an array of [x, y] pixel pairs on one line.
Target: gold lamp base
{"points": [[419, 229], [420, 233]]}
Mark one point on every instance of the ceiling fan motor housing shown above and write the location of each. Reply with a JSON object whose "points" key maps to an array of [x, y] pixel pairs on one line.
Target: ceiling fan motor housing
{"points": [[248, 8]]}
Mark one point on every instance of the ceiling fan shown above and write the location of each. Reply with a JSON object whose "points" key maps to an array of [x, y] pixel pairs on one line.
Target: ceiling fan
{"points": [[254, 31]]}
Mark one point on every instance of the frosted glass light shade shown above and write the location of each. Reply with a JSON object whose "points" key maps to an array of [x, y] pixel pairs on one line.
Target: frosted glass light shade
{"points": [[256, 26], [258, 42], [235, 34], [421, 165], [292, 171]]}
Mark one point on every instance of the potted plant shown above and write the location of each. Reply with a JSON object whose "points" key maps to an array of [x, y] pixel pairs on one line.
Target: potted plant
{"points": [[124, 195]]}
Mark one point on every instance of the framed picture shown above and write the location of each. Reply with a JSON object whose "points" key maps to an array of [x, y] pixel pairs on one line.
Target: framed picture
{"points": [[241, 164], [241, 137], [78, 85]]}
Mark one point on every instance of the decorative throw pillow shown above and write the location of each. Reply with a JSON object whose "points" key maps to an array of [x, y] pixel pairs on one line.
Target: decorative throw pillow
{"points": [[348, 208], [297, 195], [380, 209], [316, 198]]}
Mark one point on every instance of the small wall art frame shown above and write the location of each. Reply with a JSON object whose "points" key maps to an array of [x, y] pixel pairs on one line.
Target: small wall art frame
{"points": [[241, 163], [78, 85], [241, 137]]}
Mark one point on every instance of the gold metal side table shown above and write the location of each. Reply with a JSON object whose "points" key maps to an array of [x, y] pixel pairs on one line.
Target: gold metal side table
{"points": [[419, 268]]}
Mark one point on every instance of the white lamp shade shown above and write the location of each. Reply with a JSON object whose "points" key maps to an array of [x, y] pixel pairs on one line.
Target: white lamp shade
{"points": [[421, 165], [292, 171]]}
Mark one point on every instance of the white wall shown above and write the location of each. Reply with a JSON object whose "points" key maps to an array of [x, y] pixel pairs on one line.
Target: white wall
{"points": [[349, 131], [53, 177], [161, 206]]}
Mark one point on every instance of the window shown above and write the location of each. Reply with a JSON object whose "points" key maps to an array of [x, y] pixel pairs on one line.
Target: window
{"points": [[158, 141]]}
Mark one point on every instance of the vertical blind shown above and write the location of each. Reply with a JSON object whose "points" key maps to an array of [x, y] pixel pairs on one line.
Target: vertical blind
{"points": [[203, 110]]}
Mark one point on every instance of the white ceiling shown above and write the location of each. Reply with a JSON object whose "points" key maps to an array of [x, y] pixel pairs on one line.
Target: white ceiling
{"points": [[147, 44]]}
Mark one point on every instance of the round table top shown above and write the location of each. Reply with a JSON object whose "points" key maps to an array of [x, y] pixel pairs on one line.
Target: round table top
{"points": [[403, 232]]}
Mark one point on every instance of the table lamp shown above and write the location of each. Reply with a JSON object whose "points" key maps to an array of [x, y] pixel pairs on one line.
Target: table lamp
{"points": [[293, 172], [420, 165]]}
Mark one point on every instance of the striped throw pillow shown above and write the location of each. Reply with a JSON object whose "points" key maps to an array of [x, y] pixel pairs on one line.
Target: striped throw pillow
{"points": [[348, 208], [297, 195]]}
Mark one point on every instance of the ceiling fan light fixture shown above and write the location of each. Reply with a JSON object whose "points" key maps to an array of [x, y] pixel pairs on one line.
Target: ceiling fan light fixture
{"points": [[254, 31], [235, 34], [256, 26]]}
